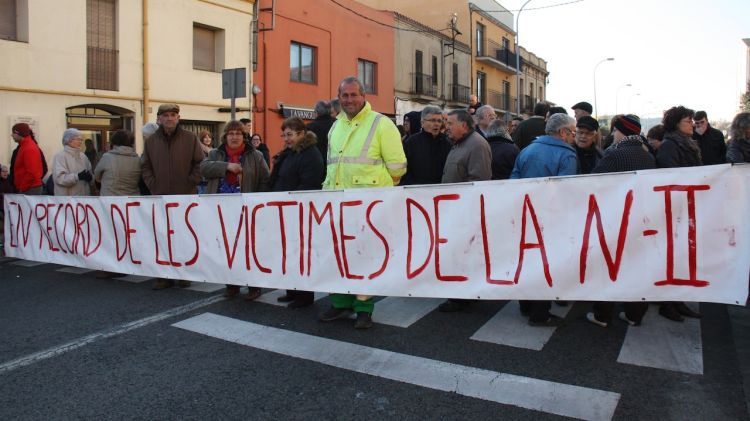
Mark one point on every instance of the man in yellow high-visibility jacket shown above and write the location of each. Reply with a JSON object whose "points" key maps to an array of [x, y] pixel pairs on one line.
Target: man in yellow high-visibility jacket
{"points": [[364, 150]]}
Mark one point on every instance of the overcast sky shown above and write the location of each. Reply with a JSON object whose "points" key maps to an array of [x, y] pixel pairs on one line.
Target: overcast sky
{"points": [[672, 52]]}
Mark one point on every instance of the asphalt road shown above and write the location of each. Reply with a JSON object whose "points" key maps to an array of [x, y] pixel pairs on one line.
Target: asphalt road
{"points": [[77, 347]]}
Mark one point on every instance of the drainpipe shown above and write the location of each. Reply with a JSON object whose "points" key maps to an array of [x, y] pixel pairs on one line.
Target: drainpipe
{"points": [[146, 88]]}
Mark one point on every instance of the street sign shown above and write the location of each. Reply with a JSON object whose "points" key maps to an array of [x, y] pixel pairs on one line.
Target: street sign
{"points": [[233, 83]]}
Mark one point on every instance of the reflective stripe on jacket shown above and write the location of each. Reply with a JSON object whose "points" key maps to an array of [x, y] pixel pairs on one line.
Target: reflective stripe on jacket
{"points": [[365, 151]]}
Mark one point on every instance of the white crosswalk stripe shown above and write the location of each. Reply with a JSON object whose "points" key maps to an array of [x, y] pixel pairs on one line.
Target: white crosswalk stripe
{"points": [[509, 327], [136, 279], [204, 287], [403, 311], [27, 263], [524, 392], [662, 343], [74, 270], [270, 297]]}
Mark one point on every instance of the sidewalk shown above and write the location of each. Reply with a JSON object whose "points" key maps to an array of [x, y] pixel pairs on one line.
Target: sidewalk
{"points": [[740, 319]]}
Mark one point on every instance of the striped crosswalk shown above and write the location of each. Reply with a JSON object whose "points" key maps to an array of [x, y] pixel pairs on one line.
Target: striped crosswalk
{"points": [[657, 343]]}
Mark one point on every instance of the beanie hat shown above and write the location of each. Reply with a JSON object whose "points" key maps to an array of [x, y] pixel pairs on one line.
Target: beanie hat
{"points": [[22, 129], [628, 124], [69, 134]]}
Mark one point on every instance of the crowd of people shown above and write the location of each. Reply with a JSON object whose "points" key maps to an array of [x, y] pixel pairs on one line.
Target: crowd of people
{"points": [[349, 145]]}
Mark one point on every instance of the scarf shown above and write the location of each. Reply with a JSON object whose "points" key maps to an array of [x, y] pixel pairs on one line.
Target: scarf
{"points": [[686, 143], [233, 157]]}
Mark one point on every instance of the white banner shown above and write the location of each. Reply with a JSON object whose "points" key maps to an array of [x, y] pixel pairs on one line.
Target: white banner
{"points": [[679, 234]]}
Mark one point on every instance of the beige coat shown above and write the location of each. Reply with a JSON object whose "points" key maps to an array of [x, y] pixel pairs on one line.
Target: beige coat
{"points": [[119, 171], [65, 168]]}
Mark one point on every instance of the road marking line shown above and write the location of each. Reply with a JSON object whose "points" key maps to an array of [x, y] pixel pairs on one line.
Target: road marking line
{"points": [[508, 389], [662, 343], [117, 330], [403, 311], [136, 279], [27, 263], [74, 270], [271, 296], [509, 327], [205, 286]]}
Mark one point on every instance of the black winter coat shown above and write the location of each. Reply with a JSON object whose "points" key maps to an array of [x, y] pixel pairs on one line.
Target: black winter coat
{"points": [[321, 126], [588, 158], [300, 167], [504, 154], [425, 158], [678, 150], [713, 147], [628, 155]]}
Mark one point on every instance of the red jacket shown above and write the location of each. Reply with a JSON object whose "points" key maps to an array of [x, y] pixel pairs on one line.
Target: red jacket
{"points": [[27, 169]]}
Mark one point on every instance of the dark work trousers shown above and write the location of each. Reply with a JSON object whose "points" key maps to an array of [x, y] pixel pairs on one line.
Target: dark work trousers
{"points": [[307, 297], [538, 311], [633, 310]]}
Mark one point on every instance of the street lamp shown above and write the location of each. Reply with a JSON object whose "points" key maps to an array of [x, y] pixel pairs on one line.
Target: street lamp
{"points": [[518, 64], [596, 110], [617, 95]]}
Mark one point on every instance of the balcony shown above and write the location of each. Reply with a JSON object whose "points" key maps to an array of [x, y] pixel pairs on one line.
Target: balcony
{"points": [[527, 103], [460, 94], [495, 55], [423, 85], [501, 101]]}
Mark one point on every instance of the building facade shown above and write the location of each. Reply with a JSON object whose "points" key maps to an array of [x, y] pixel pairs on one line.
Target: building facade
{"points": [[104, 65], [430, 68], [486, 28], [306, 47], [533, 81]]}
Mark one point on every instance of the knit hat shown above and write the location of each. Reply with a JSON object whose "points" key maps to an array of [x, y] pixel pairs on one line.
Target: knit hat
{"points": [[22, 129], [628, 124], [69, 134], [588, 122], [585, 106]]}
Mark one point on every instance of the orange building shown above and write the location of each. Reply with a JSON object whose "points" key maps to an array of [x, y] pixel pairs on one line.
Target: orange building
{"points": [[306, 47]]}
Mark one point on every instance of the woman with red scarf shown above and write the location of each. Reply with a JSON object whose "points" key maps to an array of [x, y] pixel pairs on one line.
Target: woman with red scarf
{"points": [[235, 167]]}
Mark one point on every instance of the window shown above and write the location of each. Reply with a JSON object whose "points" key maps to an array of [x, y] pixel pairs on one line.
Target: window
{"points": [[480, 40], [208, 48], [434, 71], [8, 20], [481, 95], [102, 62], [367, 73], [302, 63]]}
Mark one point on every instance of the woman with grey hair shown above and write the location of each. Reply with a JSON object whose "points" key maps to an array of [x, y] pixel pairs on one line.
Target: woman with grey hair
{"points": [[71, 170], [738, 148]]}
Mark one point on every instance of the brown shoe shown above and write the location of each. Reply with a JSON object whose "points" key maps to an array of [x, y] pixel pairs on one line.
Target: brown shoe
{"points": [[252, 293], [232, 291], [162, 283]]}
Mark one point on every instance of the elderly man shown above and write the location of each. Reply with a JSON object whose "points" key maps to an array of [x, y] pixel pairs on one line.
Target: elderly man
{"points": [[364, 150], [484, 116], [321, 125], [582, 109], [627, 153], [474, 104], [427, 150], [470, 159], [547, 156], [587, 129], [171, 163]]}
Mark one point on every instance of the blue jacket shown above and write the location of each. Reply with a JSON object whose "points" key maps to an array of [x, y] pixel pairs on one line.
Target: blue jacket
{"points": [[546, 156]]}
